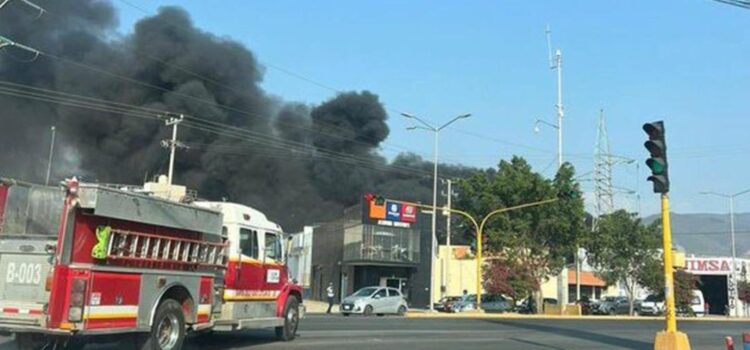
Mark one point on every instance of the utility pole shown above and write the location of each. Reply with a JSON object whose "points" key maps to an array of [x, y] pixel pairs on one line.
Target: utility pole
{"points": [[447, 270], [556, 64], [28, 3], [51, 152], [7, 42], [173, 144], [436, 130]]}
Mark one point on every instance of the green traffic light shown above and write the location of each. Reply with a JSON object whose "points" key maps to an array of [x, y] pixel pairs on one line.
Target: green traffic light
{"points": [[657, 147], [656, 165], [568, 195]]}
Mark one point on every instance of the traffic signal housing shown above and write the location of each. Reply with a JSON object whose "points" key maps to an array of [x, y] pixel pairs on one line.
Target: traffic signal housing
{"points": [[371, 197], [657, 147], [379, 200], [568, 195]]}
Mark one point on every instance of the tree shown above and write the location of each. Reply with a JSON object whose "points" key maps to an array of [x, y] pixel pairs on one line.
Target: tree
{"points": [[509, 278], [537, 238], [621, 248]]}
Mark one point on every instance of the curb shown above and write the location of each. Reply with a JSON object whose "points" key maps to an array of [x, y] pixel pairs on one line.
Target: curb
{"points": [[425, 315]]}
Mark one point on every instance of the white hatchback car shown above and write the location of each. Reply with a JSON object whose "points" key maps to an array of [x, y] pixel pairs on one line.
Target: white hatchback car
{"points": [[374, 300]]}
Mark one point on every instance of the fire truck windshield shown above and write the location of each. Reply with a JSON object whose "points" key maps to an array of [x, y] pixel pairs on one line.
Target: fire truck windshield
{"points": [[32, 210]]}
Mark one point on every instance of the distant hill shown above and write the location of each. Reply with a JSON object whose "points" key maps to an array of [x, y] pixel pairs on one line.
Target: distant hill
{"points": [[708, 234]]}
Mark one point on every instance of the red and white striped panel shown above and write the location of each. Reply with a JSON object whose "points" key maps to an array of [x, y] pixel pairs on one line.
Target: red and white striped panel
{"points": [[20, 311]]}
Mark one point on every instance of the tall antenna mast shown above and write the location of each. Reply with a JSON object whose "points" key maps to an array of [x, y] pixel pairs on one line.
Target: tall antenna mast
{"points": [[562, 278], [548, 32], [556, 64]]}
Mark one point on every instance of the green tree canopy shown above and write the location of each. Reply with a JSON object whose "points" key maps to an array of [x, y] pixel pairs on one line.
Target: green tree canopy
{"points": [[622, 248], [541, 237]]}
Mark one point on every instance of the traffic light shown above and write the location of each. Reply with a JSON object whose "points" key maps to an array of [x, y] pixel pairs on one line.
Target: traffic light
{"points": [[379, 200], [657, 147], [566, 195]]}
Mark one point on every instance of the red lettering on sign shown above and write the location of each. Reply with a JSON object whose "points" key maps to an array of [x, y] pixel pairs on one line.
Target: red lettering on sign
{"points": [[408, 212]]}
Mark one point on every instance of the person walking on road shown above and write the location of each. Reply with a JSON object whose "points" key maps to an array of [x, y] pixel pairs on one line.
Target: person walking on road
{"points": [[330, 293]]}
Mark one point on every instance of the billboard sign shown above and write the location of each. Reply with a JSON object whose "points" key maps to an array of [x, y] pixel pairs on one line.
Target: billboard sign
{"points": [[376, 212], [389, 212], [408, 212], [393, 212]]}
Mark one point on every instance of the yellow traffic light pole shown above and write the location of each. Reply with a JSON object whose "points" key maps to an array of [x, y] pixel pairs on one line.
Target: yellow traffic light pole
{"points": [[670, 338], [479, 227]]}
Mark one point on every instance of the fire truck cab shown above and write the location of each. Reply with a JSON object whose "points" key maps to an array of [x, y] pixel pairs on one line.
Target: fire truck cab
{"points": [[90, 261]]}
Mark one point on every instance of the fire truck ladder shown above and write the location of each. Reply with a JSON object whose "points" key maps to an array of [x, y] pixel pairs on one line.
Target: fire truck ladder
{"points": [[136, 246]]}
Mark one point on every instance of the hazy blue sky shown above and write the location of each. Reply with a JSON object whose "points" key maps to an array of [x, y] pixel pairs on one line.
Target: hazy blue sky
{"points": [[684, 61]]}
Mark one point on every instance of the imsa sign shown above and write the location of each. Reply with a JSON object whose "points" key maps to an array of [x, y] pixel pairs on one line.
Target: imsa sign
{"points": [[712, 266]]}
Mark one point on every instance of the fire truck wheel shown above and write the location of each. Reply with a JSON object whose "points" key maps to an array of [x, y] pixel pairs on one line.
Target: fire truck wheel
{"points": [[30, 341], [167, 330], [288, 331]]}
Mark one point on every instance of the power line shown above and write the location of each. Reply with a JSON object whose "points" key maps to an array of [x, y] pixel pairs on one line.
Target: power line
{"points": [[8, 42], [333, 89], [265, 63], [739, 3], [705, 233], [265, 140]]}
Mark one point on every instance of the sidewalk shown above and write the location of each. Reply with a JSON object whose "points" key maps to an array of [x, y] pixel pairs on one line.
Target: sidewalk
{"points": [[514, 316], [319, 307]]}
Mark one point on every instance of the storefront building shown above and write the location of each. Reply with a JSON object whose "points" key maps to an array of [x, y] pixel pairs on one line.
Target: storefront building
{"points": [[717, 284], [378, 243]]}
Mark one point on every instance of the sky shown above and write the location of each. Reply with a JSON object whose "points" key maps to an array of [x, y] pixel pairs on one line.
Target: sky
{"points": [[681, 61]]}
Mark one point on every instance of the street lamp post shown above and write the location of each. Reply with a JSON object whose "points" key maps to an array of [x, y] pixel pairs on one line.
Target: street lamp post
{"points": [[735, 297], [427, 126], [478, 227]]}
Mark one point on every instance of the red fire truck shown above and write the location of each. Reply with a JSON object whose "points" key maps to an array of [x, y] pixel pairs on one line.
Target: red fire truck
{"points": [[88, 261]]}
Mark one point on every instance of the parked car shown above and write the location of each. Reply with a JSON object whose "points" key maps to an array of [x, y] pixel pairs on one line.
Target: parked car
{"points": [[374, 300], [490, 303], [608, 306], [465, 303], [653, 305], [698, 303], [495, 303], [622, 306], [586, 304], [446, 303], [528, 305]]}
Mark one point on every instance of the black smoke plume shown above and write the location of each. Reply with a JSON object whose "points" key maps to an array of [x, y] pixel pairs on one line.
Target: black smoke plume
{"points": [[169, 64]]}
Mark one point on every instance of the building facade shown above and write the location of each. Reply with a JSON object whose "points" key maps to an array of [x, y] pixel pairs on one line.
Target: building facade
{"points": [[299, 259], [373, 244], [717, 284]]}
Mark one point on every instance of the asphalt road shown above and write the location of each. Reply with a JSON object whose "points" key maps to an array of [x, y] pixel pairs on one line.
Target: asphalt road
{"points": [[336, 332]]}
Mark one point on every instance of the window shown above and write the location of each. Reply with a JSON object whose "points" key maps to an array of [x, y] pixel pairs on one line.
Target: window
{"points": [[364, 292], [393, 292], [249, 243], [381, 293], [32, 210], [273, 246]]}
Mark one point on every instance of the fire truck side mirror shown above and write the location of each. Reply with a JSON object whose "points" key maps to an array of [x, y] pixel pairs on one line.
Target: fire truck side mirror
{"points": [[288, 247]]}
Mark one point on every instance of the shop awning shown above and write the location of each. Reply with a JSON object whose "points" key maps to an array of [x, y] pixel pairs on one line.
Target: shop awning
{"points": [[587, 279]]}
